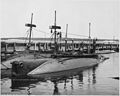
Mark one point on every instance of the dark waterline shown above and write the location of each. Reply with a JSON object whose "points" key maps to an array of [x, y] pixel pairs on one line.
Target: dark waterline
{"points": [[97, 80]]}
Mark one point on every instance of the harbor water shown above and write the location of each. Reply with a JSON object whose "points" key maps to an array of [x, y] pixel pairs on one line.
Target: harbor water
{"points": [[96, 80]]}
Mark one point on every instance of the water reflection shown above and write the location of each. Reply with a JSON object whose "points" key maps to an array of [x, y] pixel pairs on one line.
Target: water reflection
{"points": [[67, 78], [56, 90], [56, 78], [94, 74], [80, 75], [65, 84], [68, 82], [72, 83], [89, 79], [80, 78], [17, 83], [23, 84]]}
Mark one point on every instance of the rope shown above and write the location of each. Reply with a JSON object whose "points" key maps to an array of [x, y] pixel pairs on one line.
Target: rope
{"points": [[27, 32], [41, 31], [4, 65]]}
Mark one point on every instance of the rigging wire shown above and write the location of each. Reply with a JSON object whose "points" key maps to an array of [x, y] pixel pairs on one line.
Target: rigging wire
{"points": [[45, 33], [53, 34], [32, 37], [27, 32], [75, 34], [41, 31], [63, 33]]}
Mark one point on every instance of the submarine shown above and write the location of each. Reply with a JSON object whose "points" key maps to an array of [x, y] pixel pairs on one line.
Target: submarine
{"points": [[58, 62]]}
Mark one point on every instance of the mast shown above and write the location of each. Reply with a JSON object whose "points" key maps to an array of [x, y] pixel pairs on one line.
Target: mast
{"points": [[30, 25], [66, 38], [89, 38], [30, 28], [55, 33], [66, 30], [89, 30]]}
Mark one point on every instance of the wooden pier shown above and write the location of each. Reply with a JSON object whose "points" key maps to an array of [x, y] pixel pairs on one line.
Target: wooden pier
{"points": [[48, 47]]}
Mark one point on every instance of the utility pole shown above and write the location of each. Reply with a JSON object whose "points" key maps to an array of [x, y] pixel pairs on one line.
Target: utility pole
{"points": [[30, 25]]}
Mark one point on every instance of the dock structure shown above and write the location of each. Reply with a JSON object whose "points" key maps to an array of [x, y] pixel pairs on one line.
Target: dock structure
{"points": [[47, 47]]}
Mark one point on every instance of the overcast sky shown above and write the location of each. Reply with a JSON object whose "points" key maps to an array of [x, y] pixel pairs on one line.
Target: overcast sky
{"points": [[103, 15]]}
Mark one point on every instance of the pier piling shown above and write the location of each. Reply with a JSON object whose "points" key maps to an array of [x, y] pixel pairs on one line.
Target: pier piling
{"points": [[14, 47], [72, 45]]}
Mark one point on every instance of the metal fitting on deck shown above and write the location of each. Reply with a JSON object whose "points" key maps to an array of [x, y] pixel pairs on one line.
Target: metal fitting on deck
{"points": [[20, 63]]}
